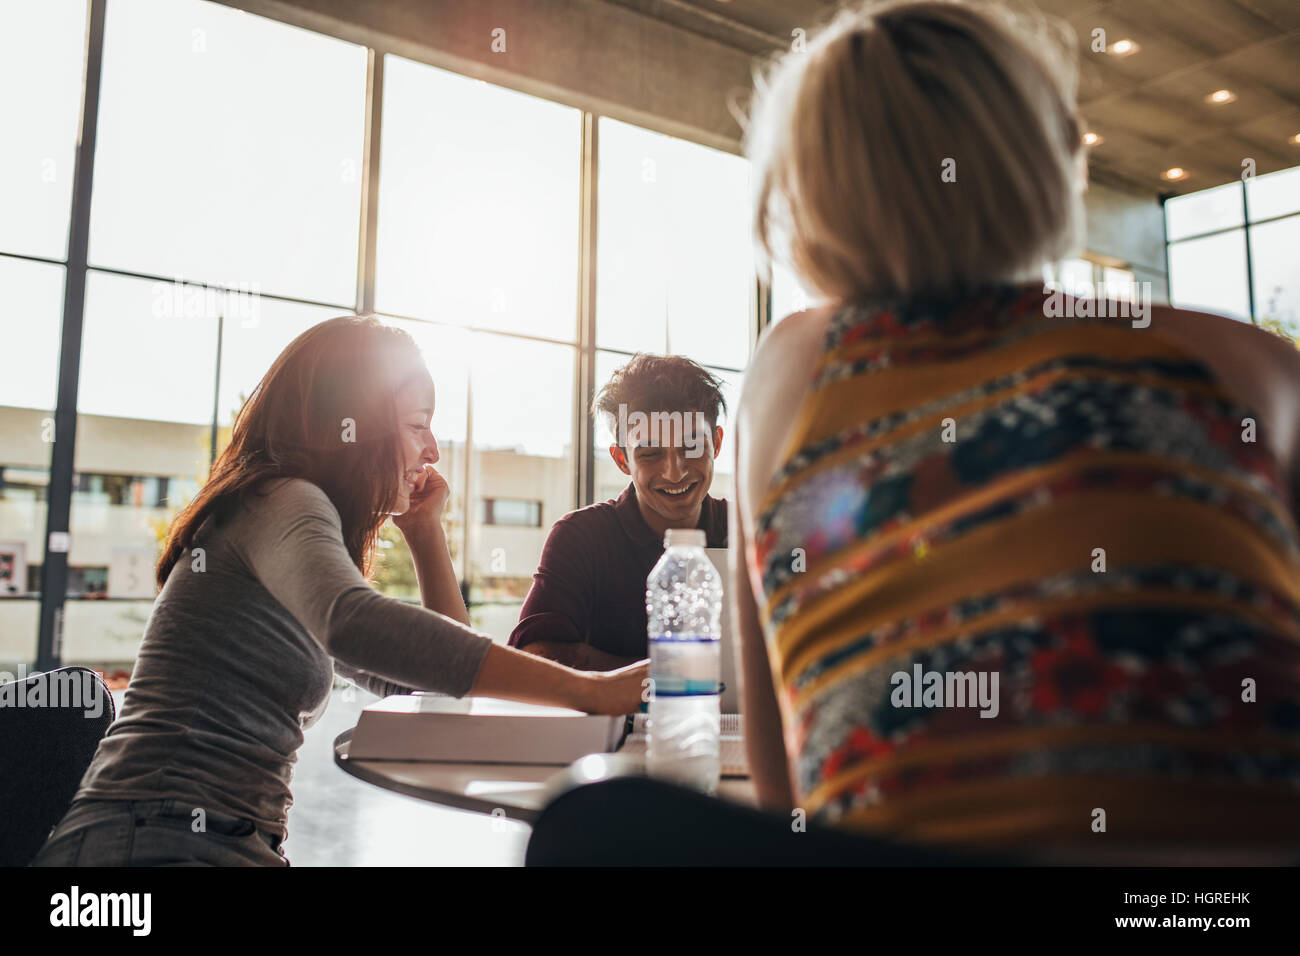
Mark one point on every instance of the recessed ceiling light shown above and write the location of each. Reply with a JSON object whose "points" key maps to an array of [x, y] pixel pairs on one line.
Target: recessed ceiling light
{"points": [[1092, 139], [1123, 48], [1295, 140], [1219, 97], [1174, 172]]}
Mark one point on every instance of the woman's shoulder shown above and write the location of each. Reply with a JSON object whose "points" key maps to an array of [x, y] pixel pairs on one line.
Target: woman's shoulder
{"points": [[1247, 358], [807, 325], [291, 495], [1211, 331], [777, 382], [276, 513], [786, 347], [1259, 369], [782, 367]]}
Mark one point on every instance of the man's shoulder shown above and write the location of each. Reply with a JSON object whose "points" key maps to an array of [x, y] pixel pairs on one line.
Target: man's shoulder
{"points": [[718, 505], [593, 519], [716, 521], [580, 542]]}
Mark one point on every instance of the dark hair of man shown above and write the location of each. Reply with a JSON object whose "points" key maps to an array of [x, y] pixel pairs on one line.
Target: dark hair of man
{"points": [[650, 383]]}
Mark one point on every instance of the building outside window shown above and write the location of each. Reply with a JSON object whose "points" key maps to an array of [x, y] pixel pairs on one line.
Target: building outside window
{"points": [[511, 512]]}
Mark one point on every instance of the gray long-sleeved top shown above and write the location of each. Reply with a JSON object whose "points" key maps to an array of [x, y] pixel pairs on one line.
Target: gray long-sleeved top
{"points": [[236, 659]]}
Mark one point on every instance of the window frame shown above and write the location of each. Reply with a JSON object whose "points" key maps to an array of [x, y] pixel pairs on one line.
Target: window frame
{"points": [[1247, 223], [55, 574]]}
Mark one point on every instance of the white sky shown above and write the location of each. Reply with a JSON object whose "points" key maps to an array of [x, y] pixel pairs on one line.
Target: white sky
{"points": [[673, 244]]}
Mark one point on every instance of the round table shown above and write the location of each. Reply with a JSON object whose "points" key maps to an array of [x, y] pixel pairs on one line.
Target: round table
{"points": [[516, 791]]}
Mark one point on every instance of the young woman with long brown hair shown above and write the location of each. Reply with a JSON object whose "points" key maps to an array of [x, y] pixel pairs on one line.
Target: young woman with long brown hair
{"points": [[265, 594]]}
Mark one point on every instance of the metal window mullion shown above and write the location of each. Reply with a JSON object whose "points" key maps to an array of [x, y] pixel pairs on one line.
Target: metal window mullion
{"points": [[370, 182], [1164, 230], [584, 429], [54, 569], [203, 284], [214, 434], [1250, 262], [1246, 223], [518, 336], [468, 473], [609, 350], [1268, 219], [1205, 235], [30, 258]]}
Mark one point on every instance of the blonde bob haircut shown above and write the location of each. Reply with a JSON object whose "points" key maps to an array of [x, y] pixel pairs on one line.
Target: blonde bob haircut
{"points": [[918, 147]]}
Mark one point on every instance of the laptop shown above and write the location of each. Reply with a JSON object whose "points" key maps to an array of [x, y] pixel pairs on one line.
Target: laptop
{"points": [[730, 651]]}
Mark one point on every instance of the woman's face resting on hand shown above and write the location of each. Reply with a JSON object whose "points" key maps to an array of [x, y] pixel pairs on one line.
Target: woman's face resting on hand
{"points": [[417, 445]]}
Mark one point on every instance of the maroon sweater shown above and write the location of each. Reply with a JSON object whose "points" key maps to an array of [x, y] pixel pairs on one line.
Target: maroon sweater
{"points": [[590, 584]]}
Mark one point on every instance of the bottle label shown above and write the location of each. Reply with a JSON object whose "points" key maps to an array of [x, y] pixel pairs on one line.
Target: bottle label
{"points": [[686, 688], [684, 665]]}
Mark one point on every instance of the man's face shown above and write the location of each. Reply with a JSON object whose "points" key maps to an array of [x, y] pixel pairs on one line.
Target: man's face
{"points": [[670, 459]]}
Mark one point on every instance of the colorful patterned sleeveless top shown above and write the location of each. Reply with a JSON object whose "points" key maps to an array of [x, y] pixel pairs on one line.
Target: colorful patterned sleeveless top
{"points": [[1019, 568]]}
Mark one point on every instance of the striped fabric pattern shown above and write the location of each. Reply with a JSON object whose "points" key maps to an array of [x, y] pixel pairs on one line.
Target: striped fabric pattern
{"points": [[1071, 504]]}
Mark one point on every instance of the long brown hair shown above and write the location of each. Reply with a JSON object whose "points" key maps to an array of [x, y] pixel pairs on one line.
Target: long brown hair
{"points": [[326, 412]]}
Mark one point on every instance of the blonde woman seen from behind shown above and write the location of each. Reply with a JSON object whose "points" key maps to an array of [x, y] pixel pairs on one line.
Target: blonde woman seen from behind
{"points": [[948, 479]]}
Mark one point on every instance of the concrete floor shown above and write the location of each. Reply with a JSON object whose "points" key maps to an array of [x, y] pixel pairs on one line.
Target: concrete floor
{"points": [[338, 820]]}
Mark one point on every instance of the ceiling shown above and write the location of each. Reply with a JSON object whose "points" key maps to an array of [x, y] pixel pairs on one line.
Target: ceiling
{"points": [[1149, 107]]}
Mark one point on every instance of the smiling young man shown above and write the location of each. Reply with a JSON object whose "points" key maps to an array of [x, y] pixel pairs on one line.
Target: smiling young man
{"points": [[586, 608]]}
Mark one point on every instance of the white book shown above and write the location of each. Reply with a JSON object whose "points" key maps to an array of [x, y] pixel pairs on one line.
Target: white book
{"points": [[480, 730]]}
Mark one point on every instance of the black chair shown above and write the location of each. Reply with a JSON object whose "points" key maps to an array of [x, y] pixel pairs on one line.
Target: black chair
{"points": [[50, 725], [628, 819]]}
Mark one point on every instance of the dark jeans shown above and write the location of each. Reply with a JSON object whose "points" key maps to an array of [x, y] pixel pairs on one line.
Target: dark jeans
{"points": [[155, 833]]}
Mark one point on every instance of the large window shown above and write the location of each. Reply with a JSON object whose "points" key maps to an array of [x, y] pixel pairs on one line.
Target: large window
{"points": [[229, 150], [226, 199], [675, 269], [36, 163], [29, 314], [522, 397], [41, 53], [229, 213], [1232, 249], [1275, 272], [675, 264], [478, 242], [144, 411], [478, 204]]}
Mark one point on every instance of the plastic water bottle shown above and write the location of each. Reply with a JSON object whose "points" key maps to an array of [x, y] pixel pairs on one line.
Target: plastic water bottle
{"points": [[683, 606]]}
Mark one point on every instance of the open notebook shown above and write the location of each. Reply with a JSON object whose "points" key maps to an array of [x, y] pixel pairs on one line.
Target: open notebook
{"points": [[731, 745]]}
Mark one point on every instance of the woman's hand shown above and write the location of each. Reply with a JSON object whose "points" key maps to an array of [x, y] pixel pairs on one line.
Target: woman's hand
{"points": [[428, 498], [615, 692]]}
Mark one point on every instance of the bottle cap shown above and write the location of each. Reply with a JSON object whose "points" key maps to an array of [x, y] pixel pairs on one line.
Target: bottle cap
{"points": [[684, 537]]}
